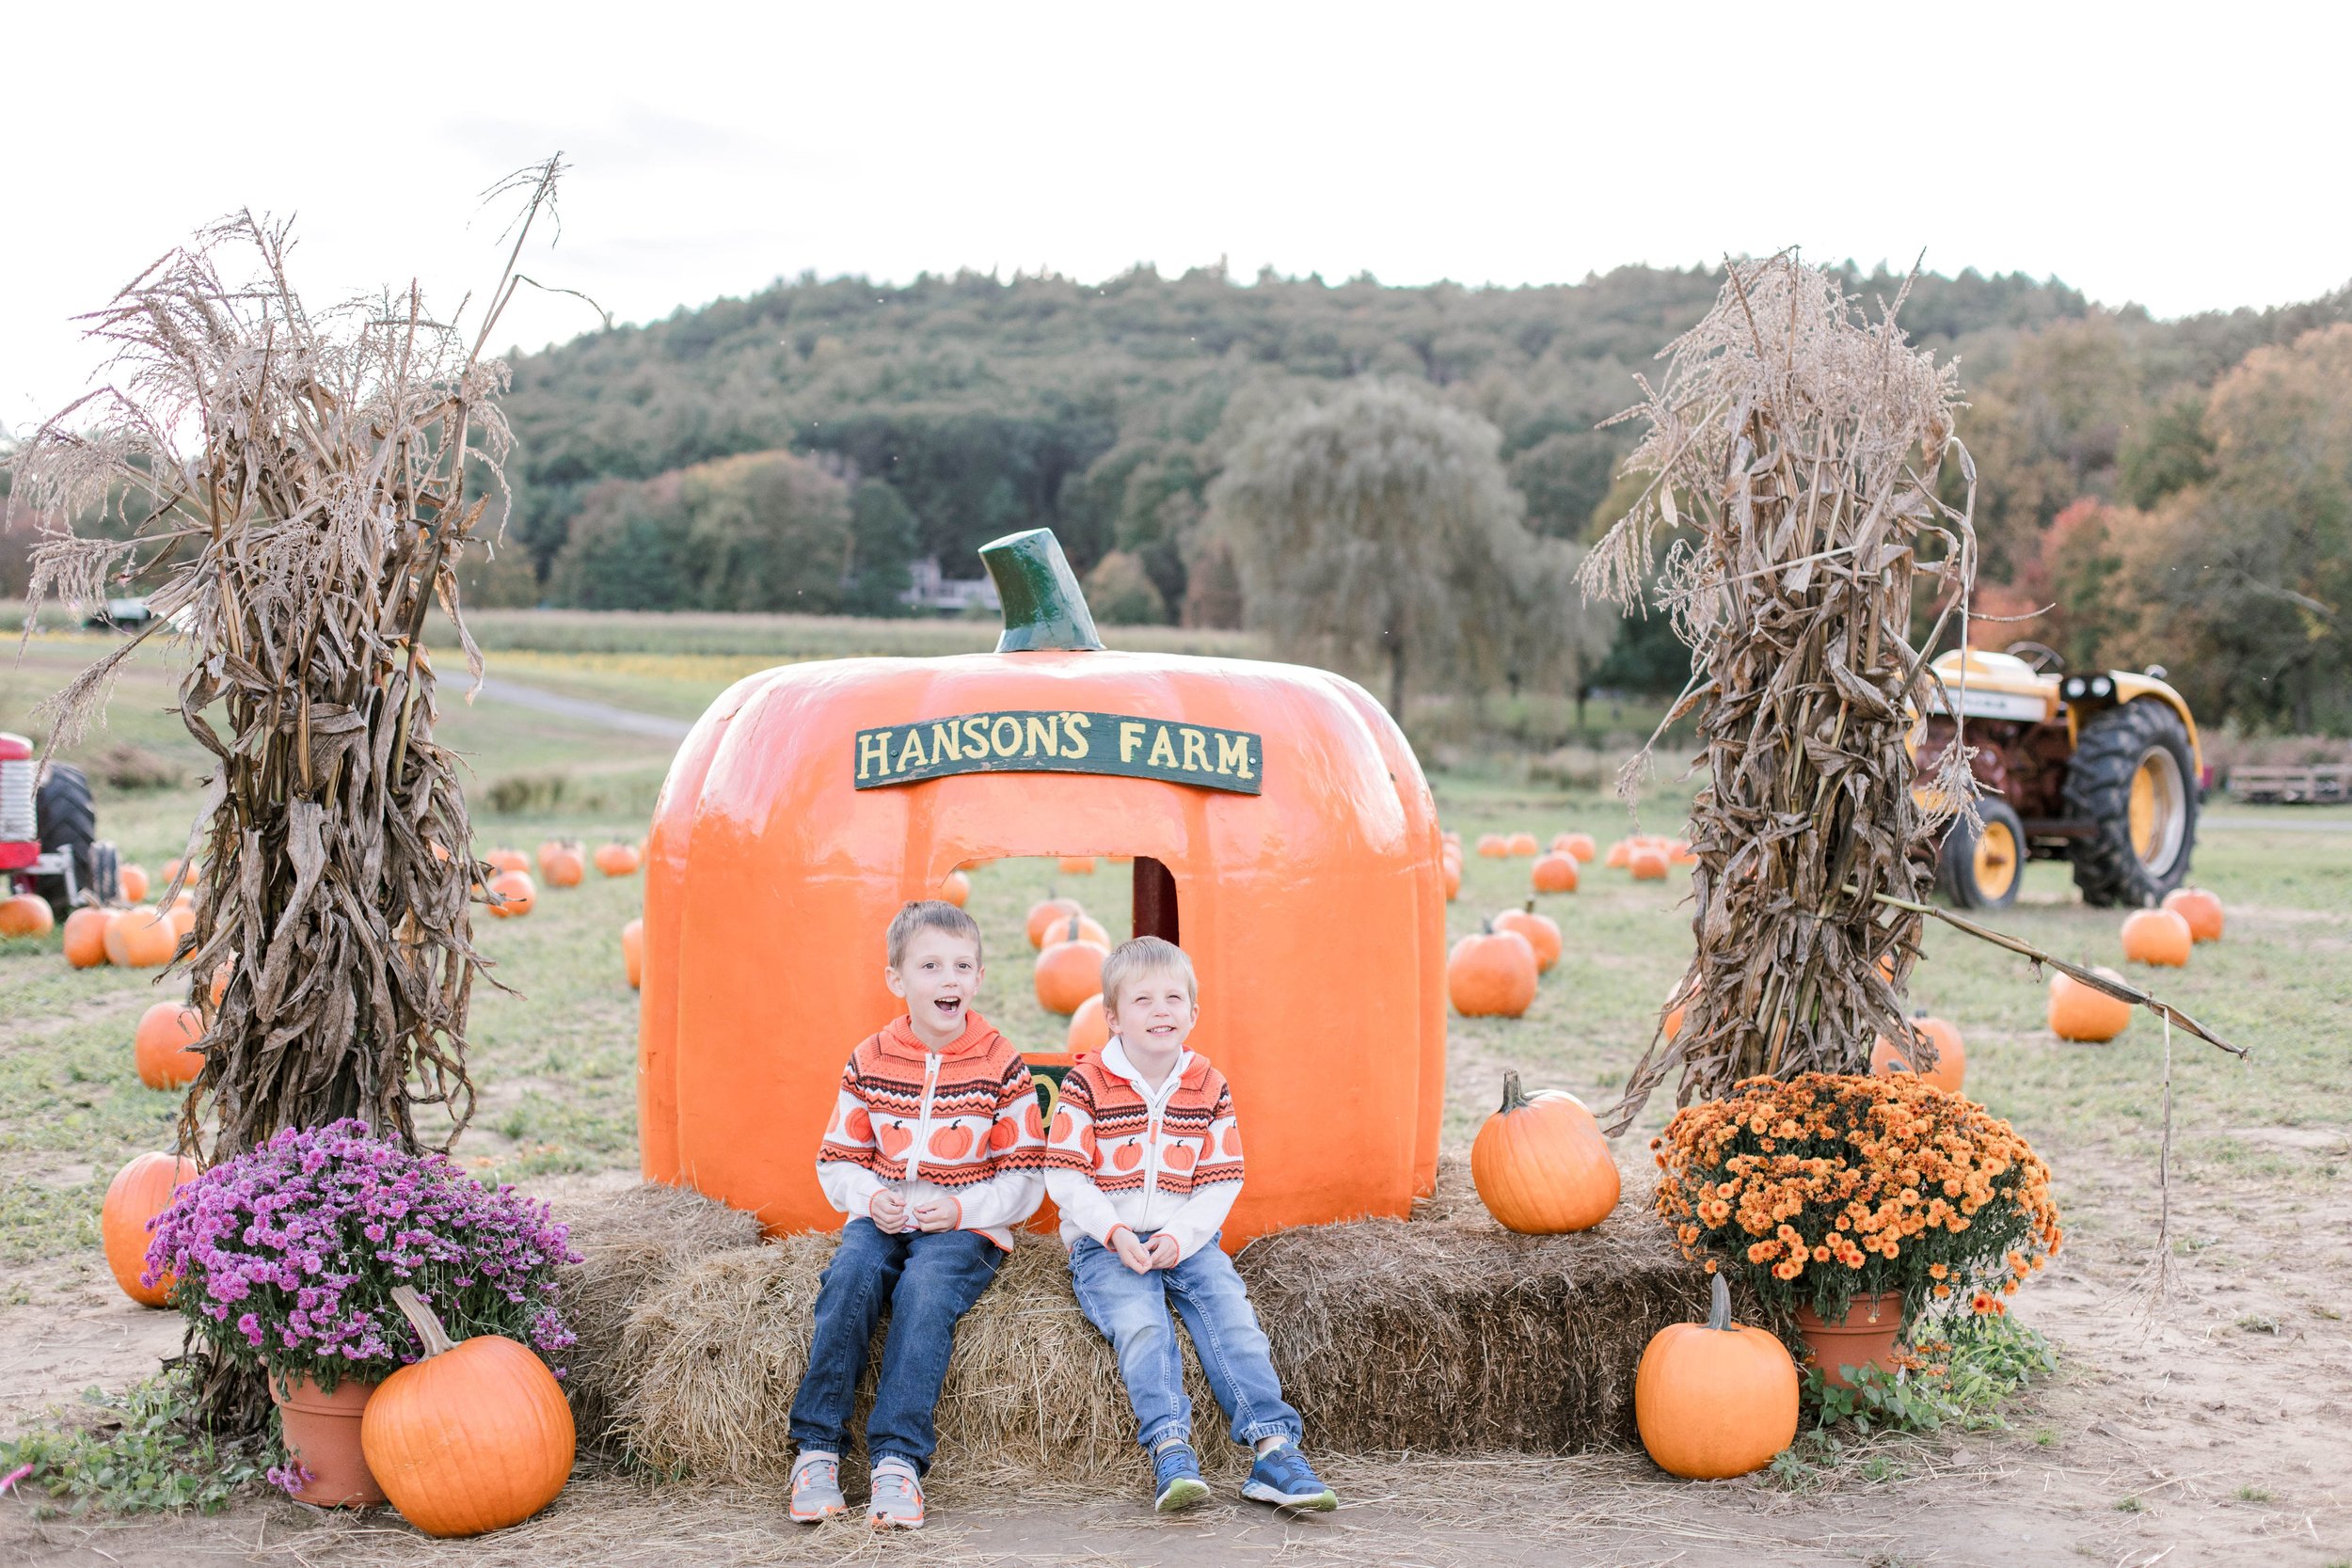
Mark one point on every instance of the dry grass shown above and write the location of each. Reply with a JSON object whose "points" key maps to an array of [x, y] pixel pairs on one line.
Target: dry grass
{"points": [[1444, 1332]]}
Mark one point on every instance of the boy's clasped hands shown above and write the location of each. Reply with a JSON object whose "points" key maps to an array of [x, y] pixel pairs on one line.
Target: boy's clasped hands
{"points": [[892, 1213], [1161, 1252]]}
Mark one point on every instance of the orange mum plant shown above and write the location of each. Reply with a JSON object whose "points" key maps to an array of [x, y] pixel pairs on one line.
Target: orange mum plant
{"points": [[1823, 1188]]}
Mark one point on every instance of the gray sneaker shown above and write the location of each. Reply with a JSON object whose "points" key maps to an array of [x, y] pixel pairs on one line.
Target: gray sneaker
{"points": [[897, 1500], [817, 1488]]}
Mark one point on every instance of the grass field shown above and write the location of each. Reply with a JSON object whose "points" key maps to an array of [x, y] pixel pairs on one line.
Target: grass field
{"points": [[2263, 1146]]}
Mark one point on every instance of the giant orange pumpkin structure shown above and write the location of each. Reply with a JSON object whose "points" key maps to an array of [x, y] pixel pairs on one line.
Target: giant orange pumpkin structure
{"points": [[1275, 817]]}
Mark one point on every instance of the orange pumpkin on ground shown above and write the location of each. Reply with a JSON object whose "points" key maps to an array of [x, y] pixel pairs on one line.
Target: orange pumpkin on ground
{"points": [[1491, 974], [1070, 968], [181, 917], [1673, 1023], [514, 893], [221, 972], [171, 869], [1089, 1029], [131, 879], [1453, 868], [617, 859], [2157, 937], [1048, 914], [1493, 846], [564, 867], [956, 888], [2080, 1012], [1619, 853], [549, 848], [85, 937], [1541, 931], [139, 936], [474, 1437], [139, 1192], [1580, 846], [1715, 1399], [1077, 865], [1951, 1061], [1541, 1165], [162, 1049], [25, 914], [509, 860], [633, 952], [2200, 909], [1524, 844], [1647, 863], [1554, 874]]}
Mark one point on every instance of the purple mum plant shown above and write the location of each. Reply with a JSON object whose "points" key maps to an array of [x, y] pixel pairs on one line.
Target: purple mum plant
{"points": [[285, 1258]]}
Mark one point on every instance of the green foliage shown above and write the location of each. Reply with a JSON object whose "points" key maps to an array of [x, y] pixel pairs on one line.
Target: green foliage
{"points": [[1122, 593], [2169, 452], [142, 1450], [1989, 1359]]}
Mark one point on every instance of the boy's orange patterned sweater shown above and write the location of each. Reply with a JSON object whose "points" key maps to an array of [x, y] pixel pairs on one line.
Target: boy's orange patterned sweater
{"points": [[1121, 1152], [961, 1121]]}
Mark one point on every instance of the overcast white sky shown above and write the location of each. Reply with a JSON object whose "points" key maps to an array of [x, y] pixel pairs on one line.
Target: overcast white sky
{"points": [[2186, 158]]}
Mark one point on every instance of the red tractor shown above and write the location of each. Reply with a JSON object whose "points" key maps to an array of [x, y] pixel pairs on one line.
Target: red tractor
{"points": [[49, 841], [2101, 768]]}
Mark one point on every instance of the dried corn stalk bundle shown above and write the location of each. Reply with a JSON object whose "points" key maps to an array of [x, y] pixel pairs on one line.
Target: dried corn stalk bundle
{"points": [[298, 489], [1796, 449]]}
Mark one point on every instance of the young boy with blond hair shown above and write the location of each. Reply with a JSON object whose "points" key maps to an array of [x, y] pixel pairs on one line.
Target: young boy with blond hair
{"points": [[932, 1151], [1144, 1161]]}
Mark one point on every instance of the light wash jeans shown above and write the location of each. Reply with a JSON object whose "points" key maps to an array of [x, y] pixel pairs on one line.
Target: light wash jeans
{"points": [[1131, 1309], [927, 1281]]}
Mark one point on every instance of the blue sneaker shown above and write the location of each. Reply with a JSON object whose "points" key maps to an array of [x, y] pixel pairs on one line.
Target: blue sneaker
{"points": [[1282, 1477], [1176, 1477]]}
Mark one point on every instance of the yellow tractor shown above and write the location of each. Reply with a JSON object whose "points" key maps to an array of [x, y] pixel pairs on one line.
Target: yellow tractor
{"points": [[2103, 769]]}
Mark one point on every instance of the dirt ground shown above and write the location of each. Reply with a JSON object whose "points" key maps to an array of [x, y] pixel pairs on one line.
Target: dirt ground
{"points": [[2216, 1433]]}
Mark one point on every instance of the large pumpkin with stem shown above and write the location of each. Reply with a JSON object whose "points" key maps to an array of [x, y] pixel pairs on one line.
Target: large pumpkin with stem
{"points": [[1717, 1398], [1541, 1165], [2157, 937], [1554, 873], [1950, 1070], [474, 1437], [617, 859], [1047, 915], [1274, 814], [1491, 974], [139, 936], [25, 914], [139, 1192], [85, 937]]}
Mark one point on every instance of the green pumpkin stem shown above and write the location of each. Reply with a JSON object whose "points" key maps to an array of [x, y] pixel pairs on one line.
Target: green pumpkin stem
{"points": [[429, 1330], [1045, 610], [1719, 1311], [1514, 1098], [1531, 906]]}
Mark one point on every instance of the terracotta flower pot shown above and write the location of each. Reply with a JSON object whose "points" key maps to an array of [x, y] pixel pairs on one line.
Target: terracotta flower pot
{"points": [[322, 1436], [1863, 1338]]}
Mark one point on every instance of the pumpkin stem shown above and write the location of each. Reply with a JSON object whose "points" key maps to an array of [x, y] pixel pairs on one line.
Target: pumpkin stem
{"points": [[1531, 906], [1073, 927], [429, 1330], [1719, 1311], [1514, 1098], [1045, 610]]}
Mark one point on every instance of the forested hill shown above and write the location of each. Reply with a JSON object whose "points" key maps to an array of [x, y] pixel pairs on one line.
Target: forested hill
{"points": [[989, 405]]}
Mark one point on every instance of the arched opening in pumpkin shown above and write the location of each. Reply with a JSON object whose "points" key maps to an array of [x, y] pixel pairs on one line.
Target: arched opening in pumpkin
{"points": [[1046, 923]]}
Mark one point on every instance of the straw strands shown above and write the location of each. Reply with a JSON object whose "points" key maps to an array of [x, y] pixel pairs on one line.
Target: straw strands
{"points": [[294, 491], [1444, 1332], [1797, 451]]}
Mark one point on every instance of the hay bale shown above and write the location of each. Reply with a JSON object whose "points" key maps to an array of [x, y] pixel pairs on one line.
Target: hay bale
{"points": [[1442, 1333], [629, 1242]]}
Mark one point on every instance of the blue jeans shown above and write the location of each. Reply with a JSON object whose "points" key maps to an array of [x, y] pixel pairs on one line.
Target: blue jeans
{"points": [[1131, 1309], [926, 1281]]}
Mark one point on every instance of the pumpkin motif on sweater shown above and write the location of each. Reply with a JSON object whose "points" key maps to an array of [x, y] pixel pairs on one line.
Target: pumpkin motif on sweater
{"points": [[971, 1106], [1105, 1128]]}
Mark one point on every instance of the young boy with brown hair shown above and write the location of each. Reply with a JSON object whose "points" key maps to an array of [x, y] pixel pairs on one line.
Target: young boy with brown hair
{"points": [[1144, 1161], [932, 1151]]}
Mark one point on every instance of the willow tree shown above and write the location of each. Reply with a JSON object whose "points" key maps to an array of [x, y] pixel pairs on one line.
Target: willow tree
{"points": [[1376, 529], [298, 488]]}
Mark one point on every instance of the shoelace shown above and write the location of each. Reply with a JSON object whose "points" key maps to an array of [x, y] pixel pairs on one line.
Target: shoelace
{"points": [[832, 1472]]}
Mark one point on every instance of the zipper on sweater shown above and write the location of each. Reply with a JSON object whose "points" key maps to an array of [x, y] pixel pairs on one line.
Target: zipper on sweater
{"points": [[922, 1115]]}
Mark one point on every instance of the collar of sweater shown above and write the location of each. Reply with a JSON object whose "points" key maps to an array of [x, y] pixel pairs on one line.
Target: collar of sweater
{"points": [[1190, 1070], [898, 1038]]}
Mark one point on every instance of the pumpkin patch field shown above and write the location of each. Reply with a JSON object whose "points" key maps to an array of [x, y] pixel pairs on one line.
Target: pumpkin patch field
{"points": [[2213, 1427]]}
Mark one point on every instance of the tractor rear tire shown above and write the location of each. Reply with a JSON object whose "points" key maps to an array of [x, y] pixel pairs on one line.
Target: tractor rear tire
{"points": [[1980, 870], [65, 819], [2134, 778]]}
